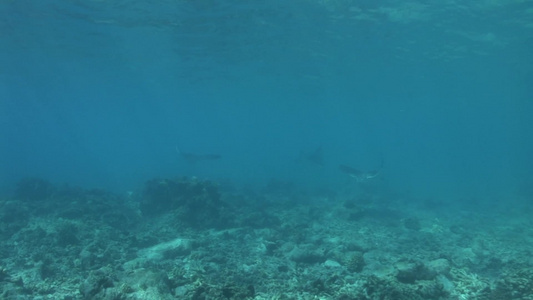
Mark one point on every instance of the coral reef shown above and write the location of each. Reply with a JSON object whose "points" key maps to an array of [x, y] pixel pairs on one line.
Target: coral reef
{"points": [[189, 239], [516, 284], [197, 202]]}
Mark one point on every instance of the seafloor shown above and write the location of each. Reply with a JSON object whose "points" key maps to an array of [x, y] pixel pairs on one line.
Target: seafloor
{"points": [[186, 238]]}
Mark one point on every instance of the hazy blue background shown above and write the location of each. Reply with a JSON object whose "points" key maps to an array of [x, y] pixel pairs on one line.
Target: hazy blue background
{"points": [[99, 93]]}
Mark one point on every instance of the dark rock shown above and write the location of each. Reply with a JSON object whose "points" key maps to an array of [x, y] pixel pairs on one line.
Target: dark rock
{"points": [[412, 223], [411, 272], [95, 285], [356, 262], [34, 189], [197, 202], [306, 256]]}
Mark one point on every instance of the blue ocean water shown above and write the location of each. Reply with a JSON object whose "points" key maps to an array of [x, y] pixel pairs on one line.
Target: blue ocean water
{"points": [[232, 149], [100, 93]]}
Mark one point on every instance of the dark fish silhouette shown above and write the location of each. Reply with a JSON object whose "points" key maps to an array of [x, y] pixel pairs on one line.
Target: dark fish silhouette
{"points": [[316, 157], [358, 174], [193, 157]]}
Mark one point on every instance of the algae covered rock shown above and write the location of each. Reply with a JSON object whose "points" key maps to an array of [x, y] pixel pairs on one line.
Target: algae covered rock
{"points": [[356, 262], [196, 201], [516, 285], [411, 272]]}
